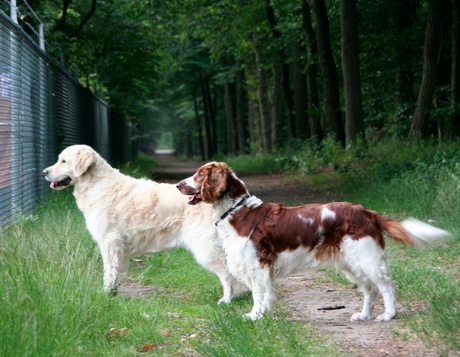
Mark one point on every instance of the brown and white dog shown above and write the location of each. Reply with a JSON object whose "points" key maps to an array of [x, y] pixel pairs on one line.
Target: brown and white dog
{"points": [[265, 241]]}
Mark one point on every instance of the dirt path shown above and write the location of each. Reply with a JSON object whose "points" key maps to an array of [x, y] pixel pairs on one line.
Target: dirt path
{"points": [[303, 294]]}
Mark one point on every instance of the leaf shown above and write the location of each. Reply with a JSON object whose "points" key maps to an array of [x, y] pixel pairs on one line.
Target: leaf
{"points": [[147, 347], [165, 332]]}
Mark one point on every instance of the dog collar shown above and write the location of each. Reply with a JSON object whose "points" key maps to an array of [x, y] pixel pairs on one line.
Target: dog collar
{"points": [[242, 201]]}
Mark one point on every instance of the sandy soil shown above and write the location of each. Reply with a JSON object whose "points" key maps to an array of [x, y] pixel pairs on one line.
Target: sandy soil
{"points": [[303, 294]]}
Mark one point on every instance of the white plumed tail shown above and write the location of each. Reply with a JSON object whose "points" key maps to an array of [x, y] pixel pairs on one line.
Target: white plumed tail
{"points": [[423, 233]]}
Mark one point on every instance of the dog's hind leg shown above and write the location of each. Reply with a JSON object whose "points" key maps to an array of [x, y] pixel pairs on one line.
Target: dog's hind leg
{"points": [[378, 276], [369, 292], [364, 263], [388, 290], [378, 279], [368, 305], [372, 276]]}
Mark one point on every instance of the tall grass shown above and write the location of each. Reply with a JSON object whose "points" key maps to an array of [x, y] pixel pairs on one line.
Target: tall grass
{"points": [[48, 269]]}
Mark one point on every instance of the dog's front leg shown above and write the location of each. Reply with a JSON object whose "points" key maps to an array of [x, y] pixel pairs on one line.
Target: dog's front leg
{"points": [[115, 266], [258, 308], [226, 281], [263, 294]]}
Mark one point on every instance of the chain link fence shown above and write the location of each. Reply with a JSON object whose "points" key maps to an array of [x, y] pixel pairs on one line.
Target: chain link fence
{"points": [[42, 111]]}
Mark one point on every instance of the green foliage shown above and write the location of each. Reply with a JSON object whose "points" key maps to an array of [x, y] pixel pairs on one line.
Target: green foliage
{"points": [[256, 163], [142, 167]]}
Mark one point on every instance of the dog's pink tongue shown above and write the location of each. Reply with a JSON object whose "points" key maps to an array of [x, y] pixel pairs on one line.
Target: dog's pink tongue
{"points": [[52, 185], [191, 198]]}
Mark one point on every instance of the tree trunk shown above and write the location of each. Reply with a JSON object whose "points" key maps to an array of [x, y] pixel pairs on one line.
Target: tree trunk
{"points": [[300, 93], [285, 78], [331, 98], [207, 124], [240, 122], [455, 81], [190, 150], [404, 15], [445, 53], [311, 74], [288, 99], [403, 86], [277, 104], [255, 126], [199, 128], [229, 100], [430, 66], [212, 116], [354, 123], [264, 102]]}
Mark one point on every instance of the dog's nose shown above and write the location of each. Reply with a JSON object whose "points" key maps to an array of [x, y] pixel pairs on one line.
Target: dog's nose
{"points": [[178, 186], [45, 172]]}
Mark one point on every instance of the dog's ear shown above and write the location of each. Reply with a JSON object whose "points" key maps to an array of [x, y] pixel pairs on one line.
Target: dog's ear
{"points": [[82, 160], [215, 183]]}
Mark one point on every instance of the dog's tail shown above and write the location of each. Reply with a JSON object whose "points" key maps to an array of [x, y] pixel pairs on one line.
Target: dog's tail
{"points": [[412, 231]]}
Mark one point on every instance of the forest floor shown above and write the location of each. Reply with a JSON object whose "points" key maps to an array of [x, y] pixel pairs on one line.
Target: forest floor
{"points": [[303, 294]]}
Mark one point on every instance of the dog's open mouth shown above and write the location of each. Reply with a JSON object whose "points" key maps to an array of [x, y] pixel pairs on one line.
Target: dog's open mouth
{"points": [[195, 198], [61, 183]]}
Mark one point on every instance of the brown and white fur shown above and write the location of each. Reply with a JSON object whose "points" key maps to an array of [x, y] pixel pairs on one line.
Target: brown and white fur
{"points": [[265, 241], [128, 216]]}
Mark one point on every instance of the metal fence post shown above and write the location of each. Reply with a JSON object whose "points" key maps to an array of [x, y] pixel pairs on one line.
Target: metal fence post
{"points": [[42, 36], [13, 11]]}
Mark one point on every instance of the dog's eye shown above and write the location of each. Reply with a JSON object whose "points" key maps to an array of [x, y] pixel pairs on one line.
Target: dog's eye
{"points": [[63, 161], [200, 174]]}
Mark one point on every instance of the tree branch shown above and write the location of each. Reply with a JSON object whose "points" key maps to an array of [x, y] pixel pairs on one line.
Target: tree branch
{"points": [[64, 10], [88, 16]]}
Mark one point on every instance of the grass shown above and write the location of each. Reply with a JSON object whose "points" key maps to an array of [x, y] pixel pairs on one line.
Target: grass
{"points": [[142, 167], [259, 163], [52, 302]]}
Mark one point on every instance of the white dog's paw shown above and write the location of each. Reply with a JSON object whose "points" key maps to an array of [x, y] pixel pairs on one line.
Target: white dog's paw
{"points": [[385, 317], [359, 316], [252, 316], [224, 300]]}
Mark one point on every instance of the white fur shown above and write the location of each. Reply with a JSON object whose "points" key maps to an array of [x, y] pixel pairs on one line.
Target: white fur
{"points": [[192, 183], [128, 216], [306, 220], [424, 233], [327, 214], [364, 263]]}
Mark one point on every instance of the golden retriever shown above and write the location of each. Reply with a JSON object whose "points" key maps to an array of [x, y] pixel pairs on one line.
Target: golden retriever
{"points": [[128, 216]]}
